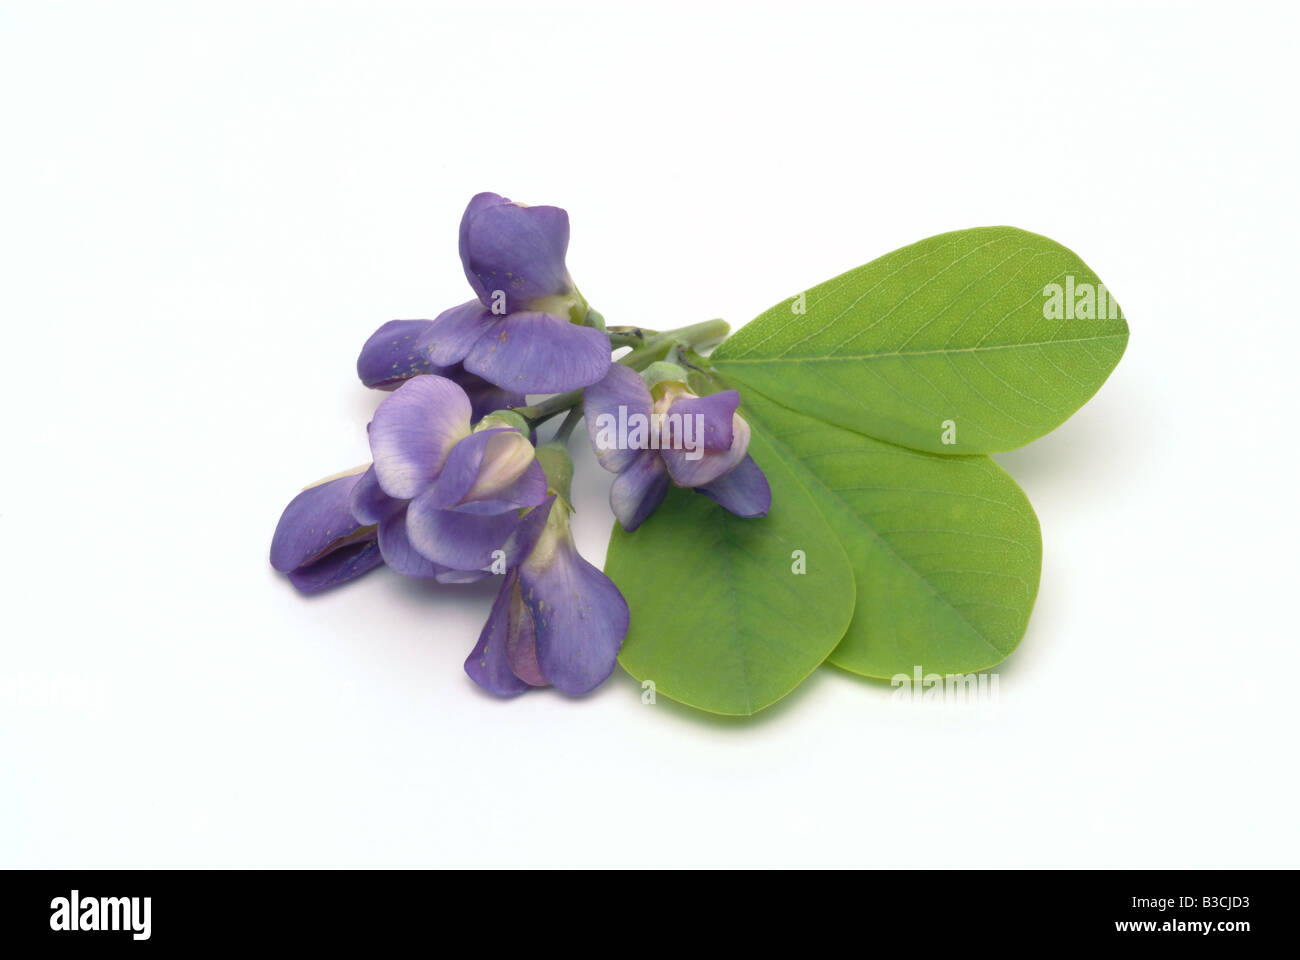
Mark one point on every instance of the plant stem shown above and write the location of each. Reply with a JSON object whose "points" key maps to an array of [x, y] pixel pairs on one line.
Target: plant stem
{"points": [[539, 413], [566, 428], [698, 336], [628, 336]]}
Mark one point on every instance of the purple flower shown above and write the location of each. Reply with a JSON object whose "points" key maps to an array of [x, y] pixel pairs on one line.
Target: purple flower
{"points": [[318, 542], [390, 358], [444, 496], [667, 435], [387, 516], [557, 619], [523, 331]]}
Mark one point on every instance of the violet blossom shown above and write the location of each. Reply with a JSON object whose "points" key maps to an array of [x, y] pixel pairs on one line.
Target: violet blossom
{"points": [[557, 619], [444, 496], [653, 438], [524, 330]]}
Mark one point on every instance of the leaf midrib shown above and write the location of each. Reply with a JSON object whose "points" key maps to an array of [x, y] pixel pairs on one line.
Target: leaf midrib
{"points": [[729, 361]]}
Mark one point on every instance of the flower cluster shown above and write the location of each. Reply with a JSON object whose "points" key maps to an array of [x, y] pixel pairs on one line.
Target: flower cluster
{"points": [[458, 489]]}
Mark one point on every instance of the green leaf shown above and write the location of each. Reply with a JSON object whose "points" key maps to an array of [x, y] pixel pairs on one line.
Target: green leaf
{"points": [[947, 339], [946, 551], [720, 620]]}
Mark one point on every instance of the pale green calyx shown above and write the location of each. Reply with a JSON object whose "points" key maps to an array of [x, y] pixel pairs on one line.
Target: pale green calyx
{"points": [[503, 418], [663, 371], [572, 306], [558, 467]]}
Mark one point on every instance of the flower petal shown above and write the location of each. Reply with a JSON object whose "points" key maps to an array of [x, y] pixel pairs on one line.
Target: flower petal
{"points": [[521, 543], [316, 521], [579, 617], [368, 502], [337, 567], [639, 489], [612, 407], [487, 397], [414, 430], [490, 471], [448, 575], [477, 204], [463, 541], [521, 641], [743, 490], [395, 545], [539, 353], [716, 415], [390, 357], [453, 332], [695, 468], [487, 664], [514, 249]]}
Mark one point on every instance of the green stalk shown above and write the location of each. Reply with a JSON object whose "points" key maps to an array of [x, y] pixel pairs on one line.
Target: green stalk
{"points": [[698, 336], [573, 418]]}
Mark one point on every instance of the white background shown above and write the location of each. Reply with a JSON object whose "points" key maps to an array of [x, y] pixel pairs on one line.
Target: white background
{"points": [[204, 211]]}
